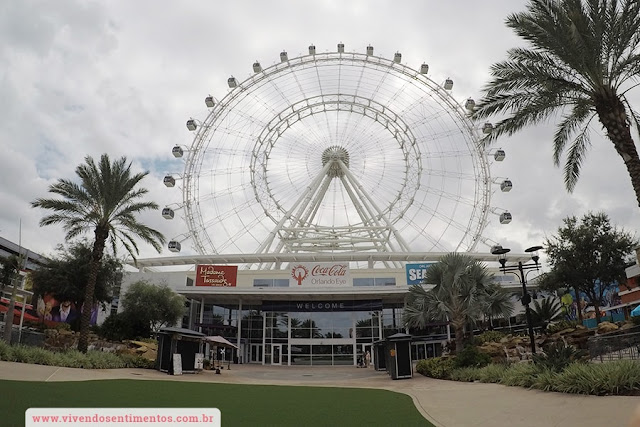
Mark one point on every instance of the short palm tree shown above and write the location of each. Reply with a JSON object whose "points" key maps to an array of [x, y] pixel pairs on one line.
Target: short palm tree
{"points": [[496, 302], [546, 311], [460, 282], [106, 201], [582, 58]]}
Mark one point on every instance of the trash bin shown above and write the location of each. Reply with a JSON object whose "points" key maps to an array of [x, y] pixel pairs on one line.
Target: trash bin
{"points": [[379, 360], [398, 356]]}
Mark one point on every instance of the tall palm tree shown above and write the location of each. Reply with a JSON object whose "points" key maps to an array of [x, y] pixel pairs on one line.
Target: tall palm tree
{"points": [[460, 283], [583, 57], [106, 201], [9, 274]]}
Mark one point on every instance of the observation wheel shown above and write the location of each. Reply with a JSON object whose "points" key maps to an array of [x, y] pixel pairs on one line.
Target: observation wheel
{"points": [[335, 152]]}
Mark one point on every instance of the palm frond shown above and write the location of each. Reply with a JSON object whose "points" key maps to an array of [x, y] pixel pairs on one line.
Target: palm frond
{"points": [[580, 112], [575, 157]]}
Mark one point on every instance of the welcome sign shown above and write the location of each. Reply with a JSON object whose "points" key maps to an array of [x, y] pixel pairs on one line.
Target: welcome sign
{"points": [[320, 274], [416, 272], [216, 275]]}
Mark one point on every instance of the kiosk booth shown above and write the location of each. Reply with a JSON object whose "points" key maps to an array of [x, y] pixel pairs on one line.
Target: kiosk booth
{"points": [[179, 351], [398, 356]]}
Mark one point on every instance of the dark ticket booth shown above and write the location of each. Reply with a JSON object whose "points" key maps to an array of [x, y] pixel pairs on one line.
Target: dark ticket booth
{"points": [[398, 356], [379, 360], [179, 343]]}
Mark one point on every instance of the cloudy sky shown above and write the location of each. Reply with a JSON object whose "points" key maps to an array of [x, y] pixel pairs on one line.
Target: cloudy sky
{"points": [[82, 78]]}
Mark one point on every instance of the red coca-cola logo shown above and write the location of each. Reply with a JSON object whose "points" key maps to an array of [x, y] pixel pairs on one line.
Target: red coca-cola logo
{"points": [[299, 272], [332, 270]]}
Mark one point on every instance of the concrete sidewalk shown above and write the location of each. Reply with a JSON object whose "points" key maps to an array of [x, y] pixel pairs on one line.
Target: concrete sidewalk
{"points": [[444, 403]]}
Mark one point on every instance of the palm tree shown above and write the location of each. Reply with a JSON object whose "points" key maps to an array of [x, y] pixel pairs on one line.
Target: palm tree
{"points": [[460, 283], [106, 202], [496, 302], [9, 274], [546, 311], [582, 59]]}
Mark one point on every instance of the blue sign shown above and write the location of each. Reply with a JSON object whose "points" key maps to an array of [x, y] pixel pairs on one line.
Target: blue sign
{"points": [[417, 272]]}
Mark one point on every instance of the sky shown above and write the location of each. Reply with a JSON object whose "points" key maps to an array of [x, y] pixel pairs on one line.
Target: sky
{"points": [[81, 78]]}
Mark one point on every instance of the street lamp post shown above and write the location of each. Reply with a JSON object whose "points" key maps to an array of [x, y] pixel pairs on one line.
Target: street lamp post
{"points": [[526, 298]]}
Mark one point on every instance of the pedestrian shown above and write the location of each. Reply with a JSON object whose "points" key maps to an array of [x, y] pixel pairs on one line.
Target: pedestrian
{"points": [[367, 359]]}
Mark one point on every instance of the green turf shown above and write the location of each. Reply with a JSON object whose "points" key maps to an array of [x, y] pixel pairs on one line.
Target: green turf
{"points": [[241, 405]]}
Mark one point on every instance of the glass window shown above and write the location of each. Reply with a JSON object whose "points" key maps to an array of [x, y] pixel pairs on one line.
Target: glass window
{"points": [[269, 283], [262, 283], [377, 281], [391, 281], [368, 281]]}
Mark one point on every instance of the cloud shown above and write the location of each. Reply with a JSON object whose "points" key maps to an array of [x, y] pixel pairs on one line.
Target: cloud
{"points": [[84, 78]]}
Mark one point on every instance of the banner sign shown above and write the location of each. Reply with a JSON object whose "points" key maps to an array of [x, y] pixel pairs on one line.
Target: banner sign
{"points": [[308, 306], [216, 275], [417, 272], [320, 274]]}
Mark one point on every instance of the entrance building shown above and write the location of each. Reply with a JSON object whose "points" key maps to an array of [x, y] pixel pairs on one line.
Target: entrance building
{"points": [[315, 311], [302, 331]]}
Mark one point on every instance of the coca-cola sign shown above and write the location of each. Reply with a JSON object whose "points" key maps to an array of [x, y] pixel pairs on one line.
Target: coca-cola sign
{"points": [[320, 274]]}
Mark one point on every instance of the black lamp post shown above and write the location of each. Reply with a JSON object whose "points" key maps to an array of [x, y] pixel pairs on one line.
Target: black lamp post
{"points": [[526, 298]]}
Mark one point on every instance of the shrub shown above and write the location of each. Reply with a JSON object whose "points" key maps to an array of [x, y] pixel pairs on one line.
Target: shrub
{"points": [[122, 326], [136, 361], [72, 358], [62, 326], [618, 377], [520, 374], [621, 377], [469, 374], [5, 352], [102, 360], [492, 373], [558, 356], [488, 336], [562, 325], [580, 378], [545, 380], [435, 367], [471, 357], [40, 356]]}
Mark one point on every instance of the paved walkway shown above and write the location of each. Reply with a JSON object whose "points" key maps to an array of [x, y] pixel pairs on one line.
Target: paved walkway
{"points": [[444, 403]]}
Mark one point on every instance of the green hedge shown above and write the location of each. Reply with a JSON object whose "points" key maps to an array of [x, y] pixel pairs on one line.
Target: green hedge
{"points": [[435, 367], [621, 377], [71, 358]]}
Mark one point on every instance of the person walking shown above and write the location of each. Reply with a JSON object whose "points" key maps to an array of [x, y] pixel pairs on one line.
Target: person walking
{"points": [[367, 359]]}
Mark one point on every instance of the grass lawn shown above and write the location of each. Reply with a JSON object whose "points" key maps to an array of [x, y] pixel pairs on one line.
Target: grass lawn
{"points": [[241, 405]]}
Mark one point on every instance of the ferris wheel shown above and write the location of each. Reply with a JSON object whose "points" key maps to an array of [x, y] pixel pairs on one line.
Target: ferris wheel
{"points": [[335, 152]]}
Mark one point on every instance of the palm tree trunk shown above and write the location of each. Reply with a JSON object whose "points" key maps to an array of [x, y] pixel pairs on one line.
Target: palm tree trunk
{"points": [[613, 116], [87, 306], [459, 330], [8, 324]]}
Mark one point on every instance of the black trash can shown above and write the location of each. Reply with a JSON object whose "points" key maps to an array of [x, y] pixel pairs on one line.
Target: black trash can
{"points": [[398, 356], [380, 361]]}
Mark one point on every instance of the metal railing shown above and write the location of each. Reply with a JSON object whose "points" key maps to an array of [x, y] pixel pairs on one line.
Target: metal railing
{"points": [[622, 345]]}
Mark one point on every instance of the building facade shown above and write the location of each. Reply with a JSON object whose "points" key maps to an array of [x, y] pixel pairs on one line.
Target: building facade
{"points": [[311, 313]]}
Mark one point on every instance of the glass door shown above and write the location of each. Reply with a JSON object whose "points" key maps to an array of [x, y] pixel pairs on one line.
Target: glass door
{"points": [[276, 354], [256, 353]]}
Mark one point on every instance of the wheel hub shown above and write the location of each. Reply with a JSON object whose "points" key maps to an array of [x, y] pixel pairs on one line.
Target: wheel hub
{"points": [[332, 155]]}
